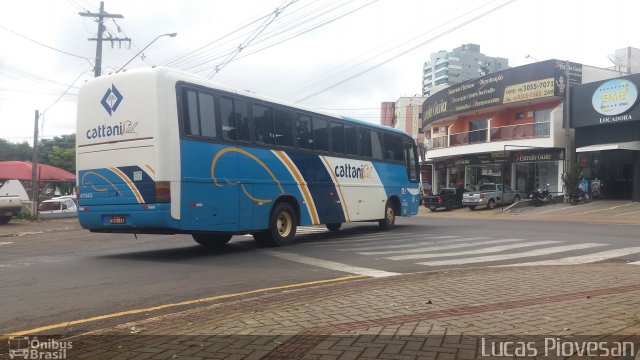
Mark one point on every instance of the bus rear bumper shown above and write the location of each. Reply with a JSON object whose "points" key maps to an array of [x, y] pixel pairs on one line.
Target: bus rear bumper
{"points": [[138, 218]]}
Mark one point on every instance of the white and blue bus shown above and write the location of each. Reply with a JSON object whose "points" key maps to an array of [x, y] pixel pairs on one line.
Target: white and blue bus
{"points": [[165, 152]]}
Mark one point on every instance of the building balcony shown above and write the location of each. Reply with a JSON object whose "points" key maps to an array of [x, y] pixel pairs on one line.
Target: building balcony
{"points": [[493, 139]]}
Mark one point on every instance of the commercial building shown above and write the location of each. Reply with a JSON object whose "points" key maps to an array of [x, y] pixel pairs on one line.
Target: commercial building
{"points": [[606, 118], [507, 127], [387, 113], [461, 64]]}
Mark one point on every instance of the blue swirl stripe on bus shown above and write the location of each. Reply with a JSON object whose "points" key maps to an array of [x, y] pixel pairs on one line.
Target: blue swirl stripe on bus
{"points": [[322, 189], [116, 185]]}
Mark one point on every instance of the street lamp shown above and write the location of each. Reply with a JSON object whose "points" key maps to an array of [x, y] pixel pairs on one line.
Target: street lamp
{"points": [[144, 48], [531, 57]]}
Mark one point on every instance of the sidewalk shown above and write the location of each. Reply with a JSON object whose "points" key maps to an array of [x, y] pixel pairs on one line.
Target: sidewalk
{"points": [[598, 211], [20, 227], [433, 315]]}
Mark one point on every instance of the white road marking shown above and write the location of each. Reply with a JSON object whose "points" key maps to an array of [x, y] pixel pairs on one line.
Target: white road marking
{"points": [[588, 258], [6, 243], [420, 248], [611, 208], [629, 213], [368, 238], [634, 263], [396, 243], [486, 250], [565, 208], [490, 258], [331, 265]]}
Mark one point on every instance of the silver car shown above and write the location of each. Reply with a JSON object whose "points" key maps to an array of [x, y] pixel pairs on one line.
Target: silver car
{"points": [[490, 195]]}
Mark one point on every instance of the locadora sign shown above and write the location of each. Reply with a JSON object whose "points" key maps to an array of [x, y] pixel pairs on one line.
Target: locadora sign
{"points": [[605, 102], [523, 83]]}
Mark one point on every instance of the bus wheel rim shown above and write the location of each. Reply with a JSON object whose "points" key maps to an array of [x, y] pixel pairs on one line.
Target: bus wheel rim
{"points": [[389, 215], [284, 224]]}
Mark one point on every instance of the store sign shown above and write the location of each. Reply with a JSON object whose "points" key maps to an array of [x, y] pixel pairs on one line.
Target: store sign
{"points": [[605, 102], [614, 97], [544, 79], [537, 155]]}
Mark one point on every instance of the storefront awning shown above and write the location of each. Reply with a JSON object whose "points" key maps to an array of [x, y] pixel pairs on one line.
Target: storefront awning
{"points": [[631, 145]]}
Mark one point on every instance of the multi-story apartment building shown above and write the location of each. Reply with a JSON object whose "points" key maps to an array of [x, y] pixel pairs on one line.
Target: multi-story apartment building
{"points": [[507, 127], [387, 113], [461, 64]]}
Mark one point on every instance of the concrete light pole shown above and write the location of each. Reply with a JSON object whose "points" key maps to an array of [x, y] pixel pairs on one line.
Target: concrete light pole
{"points": [[144, 48]]}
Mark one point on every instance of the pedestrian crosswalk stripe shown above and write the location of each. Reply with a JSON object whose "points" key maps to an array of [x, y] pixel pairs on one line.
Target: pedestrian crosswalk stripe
{"points": [[485, 250], [415, 248], [399, 243], [395, 237], [501, 257], [332, 265], [635, 263], [588, 258]]}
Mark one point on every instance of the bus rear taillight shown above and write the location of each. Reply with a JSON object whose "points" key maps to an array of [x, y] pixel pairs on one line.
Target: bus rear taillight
{"points": [[163, 191]]}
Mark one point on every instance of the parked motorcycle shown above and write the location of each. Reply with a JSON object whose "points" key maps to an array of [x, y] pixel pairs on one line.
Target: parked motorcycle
{"points": [[577, 196], [542, 196]]}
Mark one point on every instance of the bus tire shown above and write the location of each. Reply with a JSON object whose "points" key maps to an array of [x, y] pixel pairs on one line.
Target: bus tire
{"points": [[282, 227], [212, 240], [389, 220], [334, 226]]}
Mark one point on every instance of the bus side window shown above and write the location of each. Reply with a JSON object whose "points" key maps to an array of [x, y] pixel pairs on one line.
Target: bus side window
{"points": [[320, 134], [364, 142], [388, 147], [337, 137], [398, 151], [264, 124], [283, 127], [376, 145], [411, 162], [304, 132], [351, 139], [243, 126], [190, 113], [227, 119], [207, 115]]}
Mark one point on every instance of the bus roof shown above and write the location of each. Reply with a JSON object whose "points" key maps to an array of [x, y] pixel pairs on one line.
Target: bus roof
{"points": [[178, 75]]}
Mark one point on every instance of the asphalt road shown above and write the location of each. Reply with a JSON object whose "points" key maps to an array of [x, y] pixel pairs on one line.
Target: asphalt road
{"points": [[58, 277]]}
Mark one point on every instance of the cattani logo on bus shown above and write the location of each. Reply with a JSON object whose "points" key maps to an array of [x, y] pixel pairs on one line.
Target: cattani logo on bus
{"points": [[111, 101], [349, 171]]}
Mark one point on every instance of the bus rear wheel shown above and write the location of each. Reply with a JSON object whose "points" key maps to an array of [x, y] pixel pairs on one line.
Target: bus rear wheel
{"points": [[282, 227], [389, 220], [212, 240]]}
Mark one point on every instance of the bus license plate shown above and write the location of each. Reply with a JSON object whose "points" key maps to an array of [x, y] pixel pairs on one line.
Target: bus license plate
{"points": [[117, 219]]}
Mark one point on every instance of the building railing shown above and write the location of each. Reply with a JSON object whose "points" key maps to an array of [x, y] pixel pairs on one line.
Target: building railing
{"points": [[500, 133]]}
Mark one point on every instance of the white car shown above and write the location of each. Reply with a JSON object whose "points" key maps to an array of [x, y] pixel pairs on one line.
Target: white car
{"points": [[58, 207]]}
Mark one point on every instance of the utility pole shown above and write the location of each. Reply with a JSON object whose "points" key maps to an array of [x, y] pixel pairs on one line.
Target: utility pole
{"points": [[100, 19], [34, 170]]}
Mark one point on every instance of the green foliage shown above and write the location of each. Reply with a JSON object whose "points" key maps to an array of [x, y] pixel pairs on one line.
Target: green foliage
{"points": [[18, 152], [59, 151], [64, 158], [570, 179]]}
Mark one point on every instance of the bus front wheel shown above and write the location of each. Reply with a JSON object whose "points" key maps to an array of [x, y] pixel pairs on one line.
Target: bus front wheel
{"points": [[334, 226], [389, 217], [212, 240], [282, 227]]}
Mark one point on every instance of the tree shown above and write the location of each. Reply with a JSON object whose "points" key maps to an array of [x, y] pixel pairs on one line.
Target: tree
{"points": [[59, 151], [18, 152]]}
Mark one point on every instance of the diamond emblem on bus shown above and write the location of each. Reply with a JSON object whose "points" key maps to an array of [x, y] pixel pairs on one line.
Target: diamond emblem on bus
{"points": [[111, 99]]}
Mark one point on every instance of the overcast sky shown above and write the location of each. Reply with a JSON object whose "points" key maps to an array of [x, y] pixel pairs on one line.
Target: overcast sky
{"points": [[347, 55]]}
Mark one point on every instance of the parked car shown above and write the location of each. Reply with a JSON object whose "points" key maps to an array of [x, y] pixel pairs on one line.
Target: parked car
{"points": [[490, 195], [58, 207], [9, 206], [449, 198]]}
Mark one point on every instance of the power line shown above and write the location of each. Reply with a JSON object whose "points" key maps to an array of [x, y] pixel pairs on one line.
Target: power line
{"points": [[45, 45], [448, 31], [313, 27], [380, 52], [64, 93]]}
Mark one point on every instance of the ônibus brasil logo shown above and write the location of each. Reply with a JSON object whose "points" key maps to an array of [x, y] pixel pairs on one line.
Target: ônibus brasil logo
{"points": [[110, 102]]}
